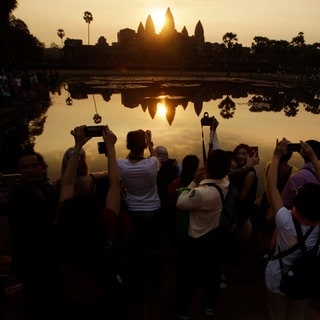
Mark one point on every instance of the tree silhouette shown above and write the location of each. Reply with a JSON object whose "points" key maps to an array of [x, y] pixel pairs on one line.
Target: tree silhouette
{"points": [[230, 39], [87, 16], [298, 41], [6, 8], [227, 107], [61, 34]]}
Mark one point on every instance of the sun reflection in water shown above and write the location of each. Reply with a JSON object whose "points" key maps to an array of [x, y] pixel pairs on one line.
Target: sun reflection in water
{"points": [[161, 109]]}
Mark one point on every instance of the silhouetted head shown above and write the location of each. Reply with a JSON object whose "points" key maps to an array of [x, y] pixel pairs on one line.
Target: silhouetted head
{"points": [[218, 164], [136, 141], [162, 153], [189, 167], [315, 145], [31, 165], [241, 153], [307, 201]]}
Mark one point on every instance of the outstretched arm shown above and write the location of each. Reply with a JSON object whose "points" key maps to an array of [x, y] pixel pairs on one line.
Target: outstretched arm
{"points": [[150, 146], [213, 141], [68, 178], [113, 195], [251, 162], [275, 199]]}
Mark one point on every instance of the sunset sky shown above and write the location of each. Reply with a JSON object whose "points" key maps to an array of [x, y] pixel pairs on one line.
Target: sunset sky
{"points": [[274, 19]]}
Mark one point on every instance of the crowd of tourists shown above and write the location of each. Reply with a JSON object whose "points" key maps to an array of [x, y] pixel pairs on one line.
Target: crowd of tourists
{"points": [[97, 244], [24, 85]]}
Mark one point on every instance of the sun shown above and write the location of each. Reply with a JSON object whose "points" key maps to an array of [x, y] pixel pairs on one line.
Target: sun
{"points": [[161, 109], [158, 18]]}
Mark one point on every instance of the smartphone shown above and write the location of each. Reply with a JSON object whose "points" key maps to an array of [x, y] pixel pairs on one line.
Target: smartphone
{"points": [[10, 180], [253, 151], [293, 147], [94, 131]]}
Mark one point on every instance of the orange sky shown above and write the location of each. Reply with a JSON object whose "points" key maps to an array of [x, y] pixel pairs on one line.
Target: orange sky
{"points": [[274, 19]]}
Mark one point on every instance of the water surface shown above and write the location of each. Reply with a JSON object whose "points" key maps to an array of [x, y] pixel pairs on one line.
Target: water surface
{"points": [[142, 104]]}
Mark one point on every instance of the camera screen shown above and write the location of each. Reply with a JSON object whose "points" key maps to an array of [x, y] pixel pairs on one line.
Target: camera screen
{"points": [[293, 147], [94, 131]]}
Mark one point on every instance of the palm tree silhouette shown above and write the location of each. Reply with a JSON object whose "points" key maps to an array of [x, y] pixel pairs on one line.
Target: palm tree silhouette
{"points": [[87, 16], [61, 34]]}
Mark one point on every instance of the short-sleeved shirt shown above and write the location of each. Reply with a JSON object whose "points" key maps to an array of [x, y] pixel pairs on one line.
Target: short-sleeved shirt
{"points": [[303, 176], [204, 204], [287, 238], [140, 181]]}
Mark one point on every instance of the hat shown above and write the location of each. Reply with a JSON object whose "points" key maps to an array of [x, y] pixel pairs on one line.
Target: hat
{"points": [[162, 153]]}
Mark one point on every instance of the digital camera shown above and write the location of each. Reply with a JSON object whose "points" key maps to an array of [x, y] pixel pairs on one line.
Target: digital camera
{"points": [[94, 131], [206, 120]]}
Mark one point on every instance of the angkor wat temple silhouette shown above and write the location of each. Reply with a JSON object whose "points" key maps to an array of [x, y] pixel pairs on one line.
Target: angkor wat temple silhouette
{"points": [[168, 32], [142, 48]]}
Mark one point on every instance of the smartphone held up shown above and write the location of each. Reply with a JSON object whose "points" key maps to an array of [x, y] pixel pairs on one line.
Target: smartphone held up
{"points": [[293, 147]]}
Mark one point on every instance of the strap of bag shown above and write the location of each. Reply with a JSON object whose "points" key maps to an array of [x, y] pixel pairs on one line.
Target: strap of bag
{"points": [[302, 239], [300, 242], [218, 188]]}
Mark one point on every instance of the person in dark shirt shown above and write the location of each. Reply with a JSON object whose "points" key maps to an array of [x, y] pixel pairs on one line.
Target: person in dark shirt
{"points": [[31, 208], [168, 172], [89, 234]]}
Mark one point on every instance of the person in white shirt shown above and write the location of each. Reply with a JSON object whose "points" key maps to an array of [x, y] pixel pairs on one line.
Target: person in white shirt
{"points": [[200, 255], [306, 211], [139, 179]]}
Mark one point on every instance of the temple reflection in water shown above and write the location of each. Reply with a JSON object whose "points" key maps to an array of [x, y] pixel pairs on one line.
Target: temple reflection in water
{"points": [[149, 94], [255, 112]]}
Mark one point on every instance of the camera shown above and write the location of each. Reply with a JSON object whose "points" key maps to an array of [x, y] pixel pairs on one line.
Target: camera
{"points": [[102, 148], [293, 147], [93, 131], [206, 120]]}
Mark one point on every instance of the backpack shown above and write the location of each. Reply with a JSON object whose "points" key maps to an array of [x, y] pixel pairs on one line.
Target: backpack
{"points": [[230, 203], [302, 280]]}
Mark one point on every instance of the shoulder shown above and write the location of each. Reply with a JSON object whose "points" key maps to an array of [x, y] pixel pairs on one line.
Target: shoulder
{"points": [[151, 161], [305, 174], [122, 160], [211, 186], [252, 172], [283, 218], [99, 175]]}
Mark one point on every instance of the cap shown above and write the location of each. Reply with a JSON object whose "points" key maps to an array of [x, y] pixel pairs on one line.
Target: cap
{"points": [[162, 153]]}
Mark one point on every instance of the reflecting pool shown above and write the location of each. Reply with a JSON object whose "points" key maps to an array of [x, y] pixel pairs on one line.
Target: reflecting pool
{"points": [[172, 109]]}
